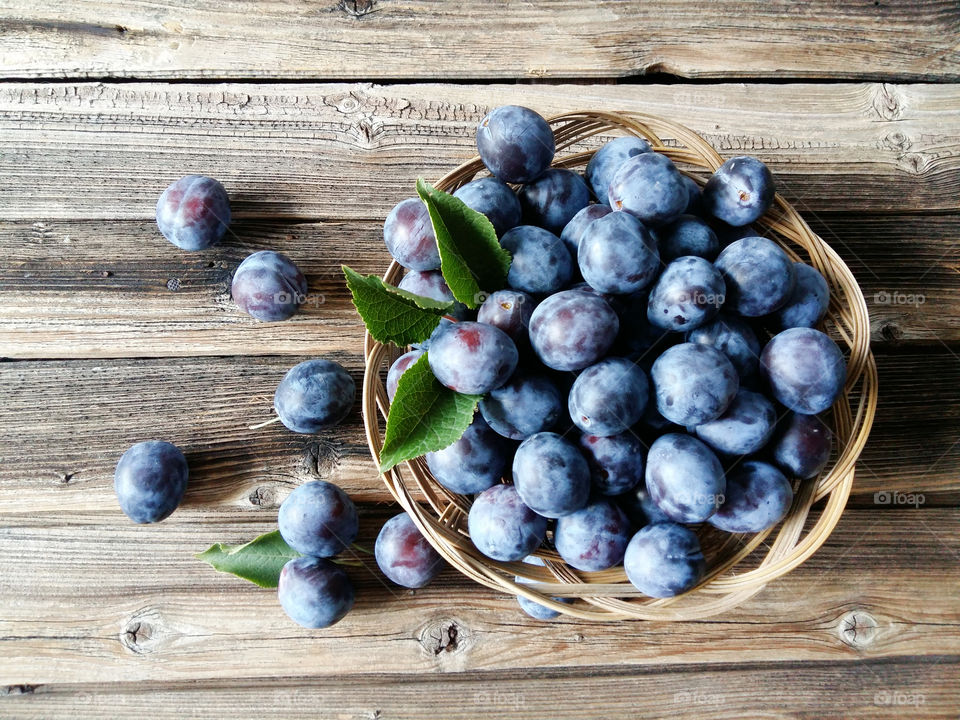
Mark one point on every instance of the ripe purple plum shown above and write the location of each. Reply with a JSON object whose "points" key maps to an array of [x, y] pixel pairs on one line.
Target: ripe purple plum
{"points": [[688, 294], [408, 234], [472, 357], [740, 191], [553, 199], [664, 560], [515, 143], [541, 263], [572, 329], [803, 445], [616, 461], [758, 496], [609, 397], [551, 475], [618, 254], [475, 462], [509, 310], [574, 230], [594, 537], [268, 286], [805, 369], [194, 212], [150, 481], [693, 383], [314, 395], [399, 367], [745, 427], [687, 235], [314, 592], [808, 302], [759, 276], [734, 338], [684, 478], [608, 159], [494, 199], [631, 188], [318, 519], [527, 404], [404, 555], [502, 527]]}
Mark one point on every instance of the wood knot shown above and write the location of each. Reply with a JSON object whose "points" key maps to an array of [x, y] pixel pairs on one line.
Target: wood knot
{"points": [[18, 689], [444, 637], [263, 497], [356, 8], [143, 632], [858, 629], [323, 457], [891, 332], [886, 102]]}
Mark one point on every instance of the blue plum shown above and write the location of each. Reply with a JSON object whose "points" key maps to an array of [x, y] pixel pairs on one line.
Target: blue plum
{"points": [[802, 446], [268, 286], [734, 338], [606, 161], [515, 143], [574, 230], [551, 475], [687, 235], [805, 369], [572, 329], [527, 404], [694, 196], [693, 383], [664, 560], [640, 508], [509, 310], [684, 478], [494, 199], [615, 462], [475, 462], [609, 397], [541, 263], [739, 192], [650, 187], [314, 592], [399, 367], [194, 212], [318, 519], [314, 395], [618, 254], [408, 235], [758, 496], [745, 427], [502, 527], [150, 480], [688, 294], [472, 358], [808, 302], [532, 608], [553, 199], [404, 555], [760, 277], [430, 284], [594, 537]]}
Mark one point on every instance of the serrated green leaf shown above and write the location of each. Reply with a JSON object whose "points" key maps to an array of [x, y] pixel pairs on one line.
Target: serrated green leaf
{"points": [[424, 417], [391, 314], [471, 259], [259, 561]]}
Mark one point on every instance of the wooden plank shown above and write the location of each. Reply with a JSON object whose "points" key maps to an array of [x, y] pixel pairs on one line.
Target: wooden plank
{"points": [[92, 601], [118, 289], [66, 424], [813, 691], [336, 152], [366, 39]]}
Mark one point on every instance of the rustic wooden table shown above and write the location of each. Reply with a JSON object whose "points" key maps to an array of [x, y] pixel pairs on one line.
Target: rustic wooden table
{"points": [[318, 117]]}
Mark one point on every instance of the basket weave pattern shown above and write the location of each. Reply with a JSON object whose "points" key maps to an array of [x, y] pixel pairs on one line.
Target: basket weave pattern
{"points": [[738, 566]]}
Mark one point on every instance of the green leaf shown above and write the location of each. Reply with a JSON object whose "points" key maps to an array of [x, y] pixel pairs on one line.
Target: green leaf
{"points": [[391, 314], [259, 561], [471, 259], [425, 416]]}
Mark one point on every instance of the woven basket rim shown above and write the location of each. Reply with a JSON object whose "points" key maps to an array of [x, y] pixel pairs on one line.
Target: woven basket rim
{"points": [[607, 595]]}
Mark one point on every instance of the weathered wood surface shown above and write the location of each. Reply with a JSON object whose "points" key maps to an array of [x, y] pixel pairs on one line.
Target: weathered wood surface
{"points": [[336, 152], [387, 39], [67, 422], [100, 600]]}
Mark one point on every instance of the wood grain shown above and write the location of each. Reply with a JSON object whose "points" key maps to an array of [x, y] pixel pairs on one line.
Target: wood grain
{"points": [[91, 601], [67, 422], [810, 691], [368, 39], [118, 289], [335, 152]]}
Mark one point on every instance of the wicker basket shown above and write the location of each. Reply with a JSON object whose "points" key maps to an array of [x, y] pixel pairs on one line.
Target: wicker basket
{"points": [[738, 566]]}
